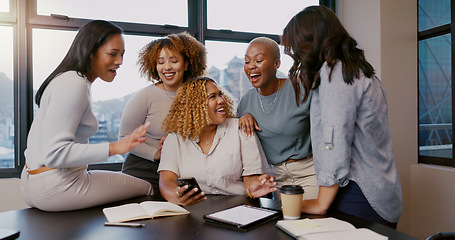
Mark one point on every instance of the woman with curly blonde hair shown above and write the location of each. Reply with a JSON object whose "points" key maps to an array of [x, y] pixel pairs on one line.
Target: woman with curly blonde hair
{"points": [[204, 142], [167, 62], [188, 114]]}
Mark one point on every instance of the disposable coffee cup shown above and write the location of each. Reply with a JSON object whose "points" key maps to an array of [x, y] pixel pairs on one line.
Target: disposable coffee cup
{"points": [[291, 201]]}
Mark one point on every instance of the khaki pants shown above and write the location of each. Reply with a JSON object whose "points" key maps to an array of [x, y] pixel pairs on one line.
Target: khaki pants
{"points": [[65, 189], [299, 172]]}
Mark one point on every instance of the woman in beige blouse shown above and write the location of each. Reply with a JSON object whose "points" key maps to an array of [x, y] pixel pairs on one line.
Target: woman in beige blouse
{"points": [[204, 142]]}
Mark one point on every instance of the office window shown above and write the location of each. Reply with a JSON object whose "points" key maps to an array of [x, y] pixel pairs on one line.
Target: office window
{"points": [[173, 12], [228, 35], [435, 83], [4, 6], [225, 65], [433, 14], [260, 16], [6, 99], [49, 48]]}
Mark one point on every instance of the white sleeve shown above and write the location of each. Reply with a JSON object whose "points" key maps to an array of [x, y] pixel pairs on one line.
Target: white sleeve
{"points": [[66, 106], [170, 154]]}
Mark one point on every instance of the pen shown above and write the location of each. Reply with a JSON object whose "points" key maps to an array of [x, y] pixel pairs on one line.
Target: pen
{"points": [[134, 225]]}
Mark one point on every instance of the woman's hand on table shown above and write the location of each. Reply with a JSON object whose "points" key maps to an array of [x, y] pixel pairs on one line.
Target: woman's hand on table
{"points": [[259, 186]]}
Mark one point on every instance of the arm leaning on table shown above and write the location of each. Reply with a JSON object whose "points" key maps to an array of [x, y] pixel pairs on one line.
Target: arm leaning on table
{"points": [[322, 203]]}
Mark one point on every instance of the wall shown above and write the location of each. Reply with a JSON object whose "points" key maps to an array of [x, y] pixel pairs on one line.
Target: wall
{"points": [[11, 198], [399, 71], [433, 200], [364, 27], [387, 31]]}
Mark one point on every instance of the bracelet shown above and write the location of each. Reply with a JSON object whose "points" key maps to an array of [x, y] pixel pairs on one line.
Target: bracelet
{"points": [[248, 192]]}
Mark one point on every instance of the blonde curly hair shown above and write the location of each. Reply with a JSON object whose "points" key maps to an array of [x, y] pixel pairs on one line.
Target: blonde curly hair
{"points": [[193, 52], [188, 113]]}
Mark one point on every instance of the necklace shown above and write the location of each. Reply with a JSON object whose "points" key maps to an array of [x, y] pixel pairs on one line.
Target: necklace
{"points": [[208, 141], [271, 104], [166, 92]]}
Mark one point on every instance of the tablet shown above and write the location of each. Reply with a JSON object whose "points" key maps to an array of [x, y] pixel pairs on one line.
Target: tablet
{"points": [[8, 234], [243, 217]]}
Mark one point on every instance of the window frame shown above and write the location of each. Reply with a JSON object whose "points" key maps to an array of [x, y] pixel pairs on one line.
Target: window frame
{"points": [[24, 18], [15, 19], [428, 34]]}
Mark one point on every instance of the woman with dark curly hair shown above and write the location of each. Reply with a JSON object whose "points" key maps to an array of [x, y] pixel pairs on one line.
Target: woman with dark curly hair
{"points": [[204, 142], [350, 133], [167, 62]]}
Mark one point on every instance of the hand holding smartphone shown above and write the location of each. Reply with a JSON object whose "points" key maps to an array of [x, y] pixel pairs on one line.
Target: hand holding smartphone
{"points": [[191, 182]]}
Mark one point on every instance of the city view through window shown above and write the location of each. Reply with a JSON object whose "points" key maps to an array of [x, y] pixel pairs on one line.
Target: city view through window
{"points": [[6, 99], [435, 82]]}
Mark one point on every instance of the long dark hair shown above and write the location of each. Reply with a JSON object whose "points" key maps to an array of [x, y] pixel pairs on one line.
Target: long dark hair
{"points": [[314, 36], [87, 41]]}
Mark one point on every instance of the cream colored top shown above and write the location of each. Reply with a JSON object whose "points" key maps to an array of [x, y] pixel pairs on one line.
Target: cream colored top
{"points": [[62, 126], [231, 156]]}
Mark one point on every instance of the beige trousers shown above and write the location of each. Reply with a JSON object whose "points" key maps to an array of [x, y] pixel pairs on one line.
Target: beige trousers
{"points": [[297, 173], [65, 189]]}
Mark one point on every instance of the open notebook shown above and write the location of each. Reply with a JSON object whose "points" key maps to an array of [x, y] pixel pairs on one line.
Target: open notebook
{"points": [[143, 210], [326, 229]]}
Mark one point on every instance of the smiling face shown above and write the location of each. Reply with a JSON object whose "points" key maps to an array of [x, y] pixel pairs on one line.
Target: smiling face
{"points": [[260, 64], [171, 68], [107, 59], [215, 103]]}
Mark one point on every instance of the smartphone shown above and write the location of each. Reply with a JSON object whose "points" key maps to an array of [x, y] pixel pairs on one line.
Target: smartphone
{"points": [[191, 182]]}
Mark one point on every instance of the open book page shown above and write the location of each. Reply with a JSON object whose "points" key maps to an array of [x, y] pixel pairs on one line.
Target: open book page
{"points": [[305, 226], [160, 209], [326, 229], [127, 212], [147, 209], [356, 234]]}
